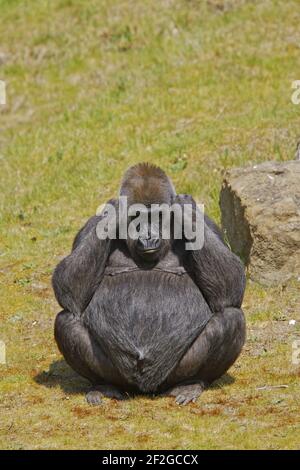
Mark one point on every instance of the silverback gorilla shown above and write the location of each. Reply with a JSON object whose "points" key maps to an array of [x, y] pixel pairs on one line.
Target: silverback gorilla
{"points": [[146, 315]]}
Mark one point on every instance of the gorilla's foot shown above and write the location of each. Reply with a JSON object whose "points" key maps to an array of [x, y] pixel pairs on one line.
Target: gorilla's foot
{"points": [[185, 394], [94, 396]]}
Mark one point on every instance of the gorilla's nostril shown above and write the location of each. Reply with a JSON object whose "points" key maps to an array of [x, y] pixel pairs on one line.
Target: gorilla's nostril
{"points": [[148, 244], [155, 242], [142, 243]]}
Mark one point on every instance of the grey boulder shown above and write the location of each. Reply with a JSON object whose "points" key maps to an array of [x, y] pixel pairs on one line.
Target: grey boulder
{"points": [[260, 207]]}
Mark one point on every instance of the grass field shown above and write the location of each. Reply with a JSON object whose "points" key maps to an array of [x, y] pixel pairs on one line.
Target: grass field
{"points": [[92, 87]]}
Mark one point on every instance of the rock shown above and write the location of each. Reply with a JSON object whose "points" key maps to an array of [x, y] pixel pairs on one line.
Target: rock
{"points": [[3, 57], [260, 208]]}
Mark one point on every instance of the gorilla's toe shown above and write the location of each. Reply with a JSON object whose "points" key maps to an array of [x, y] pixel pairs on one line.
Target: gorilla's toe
{"points": [[185, 394]]}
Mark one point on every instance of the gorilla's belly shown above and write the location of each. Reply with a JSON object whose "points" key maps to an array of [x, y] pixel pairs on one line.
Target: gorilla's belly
{"points": [[137, 317]]}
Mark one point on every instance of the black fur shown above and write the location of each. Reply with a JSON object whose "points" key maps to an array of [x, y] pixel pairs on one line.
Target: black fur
{"points": [[171, 325]]}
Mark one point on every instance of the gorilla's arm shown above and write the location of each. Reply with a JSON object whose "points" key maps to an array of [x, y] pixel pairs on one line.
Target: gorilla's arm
{"points": [[217, 271], [77, 276]]}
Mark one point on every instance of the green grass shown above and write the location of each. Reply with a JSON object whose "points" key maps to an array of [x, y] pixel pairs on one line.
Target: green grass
{"points": [[92, 87]]}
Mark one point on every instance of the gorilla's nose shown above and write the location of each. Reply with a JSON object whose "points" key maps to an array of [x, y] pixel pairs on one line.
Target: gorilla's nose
{"points": [[149, 245]]}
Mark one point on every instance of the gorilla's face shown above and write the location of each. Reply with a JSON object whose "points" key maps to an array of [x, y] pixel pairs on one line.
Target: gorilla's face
{"points": [[148, 245], [149, 186]]}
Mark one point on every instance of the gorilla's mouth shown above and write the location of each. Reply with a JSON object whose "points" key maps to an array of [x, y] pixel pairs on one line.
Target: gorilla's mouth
{"points": [[148, 254]]}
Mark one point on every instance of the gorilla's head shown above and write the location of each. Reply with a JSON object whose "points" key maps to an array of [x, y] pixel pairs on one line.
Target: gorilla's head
{"points": [[148, 185]]}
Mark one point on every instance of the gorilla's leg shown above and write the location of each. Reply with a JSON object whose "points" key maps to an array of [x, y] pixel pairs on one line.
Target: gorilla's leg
{"points": [[210, 356], [86, 357]]}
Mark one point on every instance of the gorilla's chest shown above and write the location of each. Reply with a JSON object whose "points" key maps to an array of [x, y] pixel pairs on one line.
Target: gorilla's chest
{"points": [[146, 322]]}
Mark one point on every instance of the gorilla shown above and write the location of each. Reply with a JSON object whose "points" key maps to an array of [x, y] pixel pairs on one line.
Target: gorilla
{"points": [[146, 315]]}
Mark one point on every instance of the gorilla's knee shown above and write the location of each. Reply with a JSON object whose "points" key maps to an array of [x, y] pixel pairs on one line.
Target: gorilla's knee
{"points": [[74, 343], [235, 328], [60, 324], [225, 337], [81, 351], [215, 349]]}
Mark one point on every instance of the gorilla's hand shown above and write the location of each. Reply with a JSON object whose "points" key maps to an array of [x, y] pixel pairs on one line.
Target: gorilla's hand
{"points": [[183, 199], [108, 219], [189, 208], [111, 203]]}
